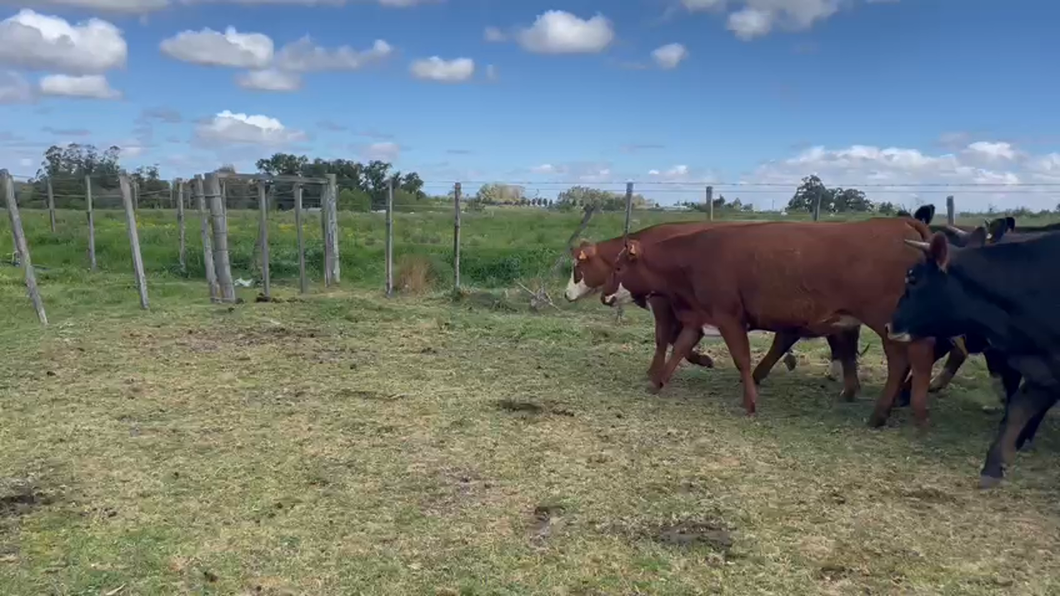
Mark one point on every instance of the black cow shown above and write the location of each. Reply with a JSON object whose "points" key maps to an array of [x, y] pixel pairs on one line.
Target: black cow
{"points": [[1006, 293]]}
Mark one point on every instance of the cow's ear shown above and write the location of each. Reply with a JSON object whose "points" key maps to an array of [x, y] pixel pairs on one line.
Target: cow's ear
{"points": [[584, 251], [634, 249], [939, 250]]}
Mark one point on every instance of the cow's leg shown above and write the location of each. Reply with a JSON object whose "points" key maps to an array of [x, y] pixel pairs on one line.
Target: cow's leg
{"points": [[839, 344], [954, 361], [684, 343], [897, 366], [921, 358], [1029, 401], [942, 348], [735, 335], [666, 327], [782, 342], [844, 347]]}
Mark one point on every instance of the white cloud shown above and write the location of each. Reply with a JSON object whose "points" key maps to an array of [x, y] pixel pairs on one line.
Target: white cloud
{"points": [[25, 162], [494, 35], [87, 87], [112, 6], [229, 128], [993, 151], [270, 80], [387, 151], [491, 72], [669, 55], [41, 42], [443, 71], [213, 48], [750, 23], [560, 32], [545, 168], [14, 88], [984, 172], [305, 56], [749, 19], [698, 5]]}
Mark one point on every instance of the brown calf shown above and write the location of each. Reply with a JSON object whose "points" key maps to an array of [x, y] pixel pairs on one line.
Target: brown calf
{"points": [[805, 279], [592, 268]]}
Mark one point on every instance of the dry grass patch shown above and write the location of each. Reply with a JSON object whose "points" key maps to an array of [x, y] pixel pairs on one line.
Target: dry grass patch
{"points": [[353, 444]]}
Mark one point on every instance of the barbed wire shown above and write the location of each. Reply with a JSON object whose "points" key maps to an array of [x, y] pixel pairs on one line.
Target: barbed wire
{"points": [[696, 184]]}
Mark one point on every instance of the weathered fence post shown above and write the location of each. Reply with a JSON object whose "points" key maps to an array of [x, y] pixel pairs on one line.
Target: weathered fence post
{"points": [[333, 227], [629, 206], [222, 264], [324, 235], [51, 204], [181, 227], [389, 237], [134, 239], [19, 238], [710, 203], [951, 211], [303, 282], [263, 239], [136, 194], [91, 224], [456, 237], [207, 246], [817, 204]]}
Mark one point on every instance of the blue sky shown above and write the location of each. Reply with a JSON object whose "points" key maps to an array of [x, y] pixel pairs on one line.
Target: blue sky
{"points": [[898, 96]]}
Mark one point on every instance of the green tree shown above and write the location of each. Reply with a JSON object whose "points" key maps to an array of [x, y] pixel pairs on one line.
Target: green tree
{"points": [[354, 199], [833, 200], [500, 194], [68, 166], [582, 196]]}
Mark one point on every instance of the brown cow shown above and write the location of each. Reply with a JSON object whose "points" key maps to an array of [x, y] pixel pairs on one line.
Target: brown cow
{"points": [[592, 268], [809, 279]]}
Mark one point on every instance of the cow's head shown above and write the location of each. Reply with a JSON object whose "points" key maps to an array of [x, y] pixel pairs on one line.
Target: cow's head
{"points": [[997, 228], [589, 272], [925, 214], [628, 277], [931, 305]]}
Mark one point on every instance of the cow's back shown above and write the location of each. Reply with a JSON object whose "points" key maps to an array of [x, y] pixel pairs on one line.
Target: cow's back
{"points": [[786, 275]]}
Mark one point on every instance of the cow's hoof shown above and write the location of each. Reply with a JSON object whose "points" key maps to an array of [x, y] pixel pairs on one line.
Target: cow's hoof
{"points": [[988, 482], [847, 395], [1027, 447], [790, 361], [654, 388], [877, 420], [701, 360]]}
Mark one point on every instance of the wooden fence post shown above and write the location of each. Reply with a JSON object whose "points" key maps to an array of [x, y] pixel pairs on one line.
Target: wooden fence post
{"points": [[263, 239], [303, 282], [181, 227], [51, 204], [222, 263], [629, 206], [817, 204], [389, 237], [951, 211], [333, 227], [456, 237], [91, 224], [134, 239], [324, 235], [19, 237], [207, 246], [710, 203], [136, 194]]}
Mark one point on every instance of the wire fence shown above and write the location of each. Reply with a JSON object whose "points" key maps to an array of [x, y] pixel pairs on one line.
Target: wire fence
{"points": [[499, 245]]}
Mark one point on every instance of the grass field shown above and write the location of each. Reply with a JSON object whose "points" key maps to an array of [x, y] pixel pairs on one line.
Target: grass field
{"points": [[343, 443]]}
